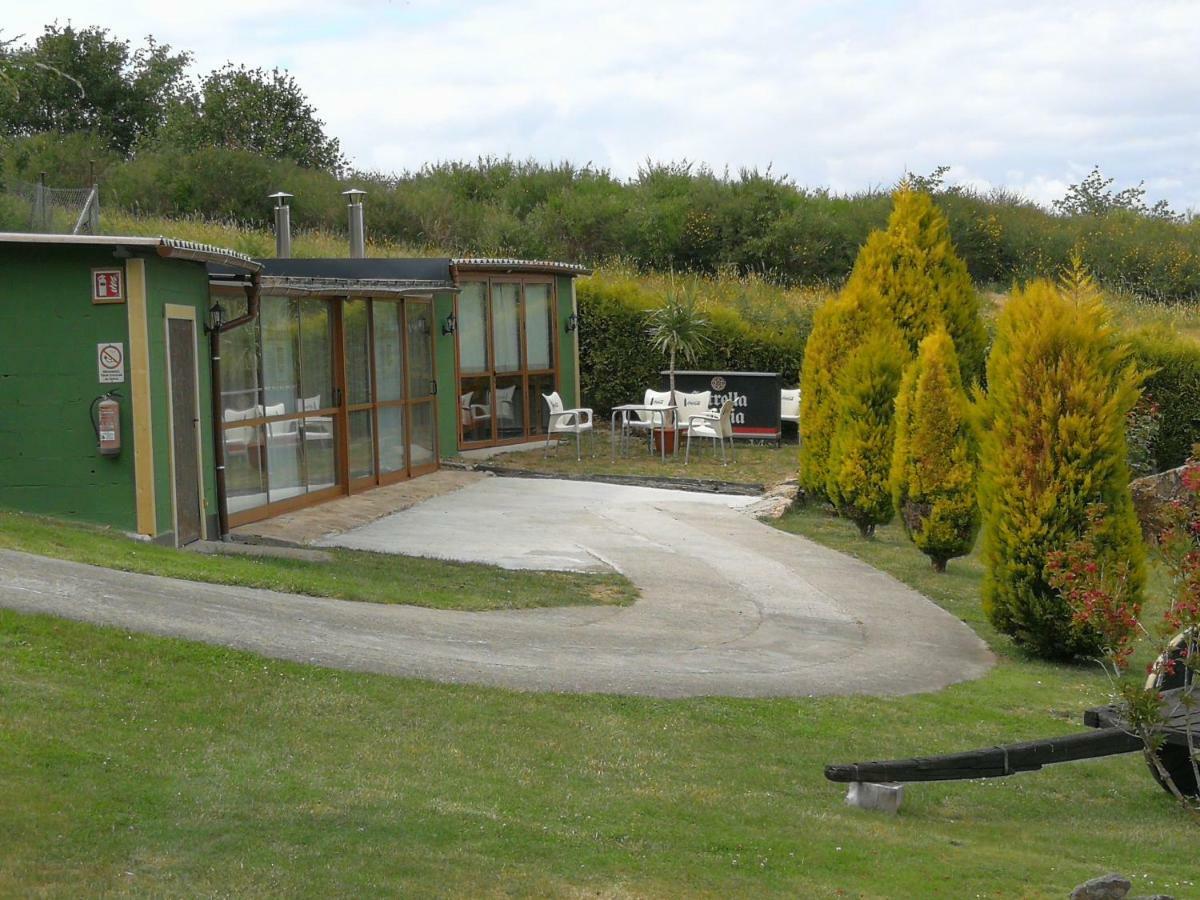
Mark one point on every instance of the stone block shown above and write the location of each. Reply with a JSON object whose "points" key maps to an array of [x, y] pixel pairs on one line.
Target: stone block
{"points": [[869, 795]]}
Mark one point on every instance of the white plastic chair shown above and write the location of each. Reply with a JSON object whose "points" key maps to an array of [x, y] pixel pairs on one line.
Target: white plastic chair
{"points": [[567, 421], [718, 426], [698, 403], [789, 406], [647, 420]]}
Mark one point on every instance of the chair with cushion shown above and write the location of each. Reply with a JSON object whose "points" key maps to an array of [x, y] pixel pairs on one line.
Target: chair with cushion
{"points": [[715, 425], [567, 421]]}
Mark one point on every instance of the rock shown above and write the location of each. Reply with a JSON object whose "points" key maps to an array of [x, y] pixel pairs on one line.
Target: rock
{"points": [[882, 797], [1106, 887], [1153, 494]]}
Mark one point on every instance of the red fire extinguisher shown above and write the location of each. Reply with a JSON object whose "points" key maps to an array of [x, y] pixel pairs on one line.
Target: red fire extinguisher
{"points": [[106, 422]]}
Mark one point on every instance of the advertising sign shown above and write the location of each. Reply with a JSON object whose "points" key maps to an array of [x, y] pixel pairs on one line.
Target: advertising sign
{"points": [[755, 397]]}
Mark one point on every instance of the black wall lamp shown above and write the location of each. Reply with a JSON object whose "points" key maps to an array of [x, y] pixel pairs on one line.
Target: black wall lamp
{"points": [[572, 323], [216, 317], [450, 324]]}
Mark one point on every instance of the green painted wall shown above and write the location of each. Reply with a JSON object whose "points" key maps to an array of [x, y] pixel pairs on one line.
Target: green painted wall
{"points": [[185, 284], [49, 330], [447, 405], [568, 377]]}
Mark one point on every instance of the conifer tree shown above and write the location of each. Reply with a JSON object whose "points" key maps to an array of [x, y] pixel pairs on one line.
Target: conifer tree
{"points": [[838, 326], [922, 281], [1052, 443], [934, 464], [863, 435]]}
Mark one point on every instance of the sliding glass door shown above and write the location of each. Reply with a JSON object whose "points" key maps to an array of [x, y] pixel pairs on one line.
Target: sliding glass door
{"points": [[390, 389], [505, 329]]}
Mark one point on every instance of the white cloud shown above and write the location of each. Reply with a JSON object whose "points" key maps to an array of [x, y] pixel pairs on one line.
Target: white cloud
{"points": [[1020, 94]]}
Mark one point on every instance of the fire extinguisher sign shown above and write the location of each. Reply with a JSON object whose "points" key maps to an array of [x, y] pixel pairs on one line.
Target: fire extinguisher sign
{"points": [[110, 363], [108, 285]]}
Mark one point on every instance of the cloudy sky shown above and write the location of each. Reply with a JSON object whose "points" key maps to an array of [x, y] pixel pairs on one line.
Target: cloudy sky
{"points": [[1025, 95]]}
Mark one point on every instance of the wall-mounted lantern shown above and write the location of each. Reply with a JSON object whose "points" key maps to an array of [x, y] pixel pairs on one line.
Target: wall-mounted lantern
{"points": [[216, 317], [450, 324], [572, 323]]}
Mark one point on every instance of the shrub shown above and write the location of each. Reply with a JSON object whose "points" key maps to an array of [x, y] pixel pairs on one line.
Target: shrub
{"points": [[1052, 443], [837, 327], [922, 281], [934, 466], [863, 436], [1172, 381]]}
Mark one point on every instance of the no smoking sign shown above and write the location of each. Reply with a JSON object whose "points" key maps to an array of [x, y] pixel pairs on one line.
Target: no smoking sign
{"points": [[110, 363]]}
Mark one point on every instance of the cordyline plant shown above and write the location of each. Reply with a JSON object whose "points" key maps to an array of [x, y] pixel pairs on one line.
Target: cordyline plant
{"points": [[678, 329], [1102, 601]]}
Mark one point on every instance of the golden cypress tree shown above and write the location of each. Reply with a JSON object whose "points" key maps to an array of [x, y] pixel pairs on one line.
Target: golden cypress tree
{"points": [[922, 281], [838, 326], [1052, 443], [934, 464], [863, 435]]}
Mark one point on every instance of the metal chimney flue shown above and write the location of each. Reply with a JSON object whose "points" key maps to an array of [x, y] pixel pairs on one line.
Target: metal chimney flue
{"points": [[358, 228], [283, 225]]}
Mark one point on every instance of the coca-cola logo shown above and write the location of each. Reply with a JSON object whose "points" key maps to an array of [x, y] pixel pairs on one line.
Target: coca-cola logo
{"points": [[718, 383]]}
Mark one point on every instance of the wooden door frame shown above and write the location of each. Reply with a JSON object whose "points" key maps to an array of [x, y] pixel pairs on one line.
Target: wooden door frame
{"points": [[523, 373], [179, 312]]}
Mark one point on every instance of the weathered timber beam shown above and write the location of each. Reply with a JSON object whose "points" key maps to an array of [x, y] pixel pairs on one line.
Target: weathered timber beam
{"points": [[992, 762]]}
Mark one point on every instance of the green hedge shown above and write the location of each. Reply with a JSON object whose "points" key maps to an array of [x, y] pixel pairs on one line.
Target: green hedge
{"points": [[1173, 383], [617, 363]]}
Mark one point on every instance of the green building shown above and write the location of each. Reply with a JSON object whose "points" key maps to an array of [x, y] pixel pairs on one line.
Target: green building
{"points": [[334, 375]]}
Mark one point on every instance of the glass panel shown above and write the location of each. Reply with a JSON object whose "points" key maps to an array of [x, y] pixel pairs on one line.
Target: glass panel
{"points": [[510, 407], [245, 474], [391, 439], [506, 326], [539, 386], [472, 327], [539, 326], [358, 351], [424, 440], [419, 315], [362, 447], [388, 368], [239, 362], [320, 451], [280, 318], [316, 355], [475, 408], [283, 460]]}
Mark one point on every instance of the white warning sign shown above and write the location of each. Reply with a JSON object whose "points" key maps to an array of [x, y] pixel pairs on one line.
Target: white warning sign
{"points": [[110, 363]]}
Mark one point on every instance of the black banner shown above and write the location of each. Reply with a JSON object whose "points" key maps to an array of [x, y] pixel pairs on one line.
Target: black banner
{"points": [[755, 397]]}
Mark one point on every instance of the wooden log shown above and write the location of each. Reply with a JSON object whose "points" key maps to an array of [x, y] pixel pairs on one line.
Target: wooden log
{"points": [[992, 762]]}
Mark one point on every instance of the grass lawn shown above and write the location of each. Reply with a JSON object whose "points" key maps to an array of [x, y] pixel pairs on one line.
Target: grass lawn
{"points": [[353, 575], [755, 463], [141, 765]]}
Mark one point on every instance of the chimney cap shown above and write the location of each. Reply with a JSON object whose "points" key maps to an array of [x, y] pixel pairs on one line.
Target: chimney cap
{"points": [[354, 194], [280, 196]]}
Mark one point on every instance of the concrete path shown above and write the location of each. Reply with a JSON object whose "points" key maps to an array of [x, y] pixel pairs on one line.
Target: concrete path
{"points": [[729, 605]]}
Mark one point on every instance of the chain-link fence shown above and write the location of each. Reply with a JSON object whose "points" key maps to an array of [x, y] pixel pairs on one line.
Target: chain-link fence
{"points": [[35, 207]]}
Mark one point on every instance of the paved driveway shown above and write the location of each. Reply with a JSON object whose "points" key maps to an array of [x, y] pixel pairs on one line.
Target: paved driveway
{"points": [[729, 606]]}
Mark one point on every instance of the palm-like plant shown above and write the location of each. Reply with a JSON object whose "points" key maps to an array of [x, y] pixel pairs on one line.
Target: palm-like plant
{"points": [[678, 329]]}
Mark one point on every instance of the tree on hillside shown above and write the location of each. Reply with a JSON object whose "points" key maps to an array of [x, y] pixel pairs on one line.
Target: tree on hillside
{"points": [[1052, 444], [251, 109], [923, 283], [1094, 196], [83, 80], [934, 464]]}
